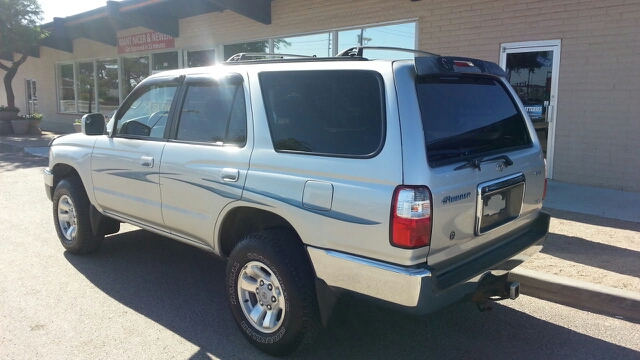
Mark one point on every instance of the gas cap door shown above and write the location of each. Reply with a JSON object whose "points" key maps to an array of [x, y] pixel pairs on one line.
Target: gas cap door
{"points": [[317, 195]]}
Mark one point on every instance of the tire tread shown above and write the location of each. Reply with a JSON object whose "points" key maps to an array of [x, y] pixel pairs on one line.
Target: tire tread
{"points": [[284, 244]]}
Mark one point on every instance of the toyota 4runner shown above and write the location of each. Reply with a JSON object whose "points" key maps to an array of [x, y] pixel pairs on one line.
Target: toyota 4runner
{"points": [[408, 182]]}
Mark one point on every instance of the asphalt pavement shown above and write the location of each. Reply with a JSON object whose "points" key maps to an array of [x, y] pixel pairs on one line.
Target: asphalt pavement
{"points": [[561, 197]]}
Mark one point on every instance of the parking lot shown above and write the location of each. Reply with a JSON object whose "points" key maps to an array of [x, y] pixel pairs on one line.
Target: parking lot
{"points": [[144, 296]]}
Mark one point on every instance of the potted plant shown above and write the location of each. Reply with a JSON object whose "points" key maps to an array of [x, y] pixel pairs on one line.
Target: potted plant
{"points": [[77, 124], [34, 122], [8, 113], [20, 125]]}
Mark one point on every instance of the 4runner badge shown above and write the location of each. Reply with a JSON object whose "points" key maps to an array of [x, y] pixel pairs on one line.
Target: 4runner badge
{"points": [[450, 199]]}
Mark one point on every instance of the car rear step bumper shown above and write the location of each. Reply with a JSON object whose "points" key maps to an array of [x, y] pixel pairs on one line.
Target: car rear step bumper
{"points": [[418, 289]]}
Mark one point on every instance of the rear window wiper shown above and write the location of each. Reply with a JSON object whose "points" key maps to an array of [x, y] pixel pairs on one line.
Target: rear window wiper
{"points": [[475, 163]]}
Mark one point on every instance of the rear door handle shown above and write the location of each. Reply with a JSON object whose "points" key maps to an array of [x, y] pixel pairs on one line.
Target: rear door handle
{"points": [[146, 161], [230, 175]]}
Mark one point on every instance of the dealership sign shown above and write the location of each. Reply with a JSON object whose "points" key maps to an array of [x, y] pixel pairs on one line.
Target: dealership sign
{"points": [[149, 41]]}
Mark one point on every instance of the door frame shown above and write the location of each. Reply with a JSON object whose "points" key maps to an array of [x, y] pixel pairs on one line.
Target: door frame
{"points": [[552, 110]]}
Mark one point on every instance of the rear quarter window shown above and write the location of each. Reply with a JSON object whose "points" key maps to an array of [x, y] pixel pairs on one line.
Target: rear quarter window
{"points": [[467, 116], [325, 112]]}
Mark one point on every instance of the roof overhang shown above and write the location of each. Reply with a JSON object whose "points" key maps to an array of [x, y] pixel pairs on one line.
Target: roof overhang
{"points": [[102, 24]]}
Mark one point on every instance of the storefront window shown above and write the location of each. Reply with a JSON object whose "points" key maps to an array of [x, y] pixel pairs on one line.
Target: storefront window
{"points": [[107, 74], [351, 38], [90, 86], [311, 45], [398, 35], [135, 69], [66, 91], [86, 87], [196, 58], [250, 47], [165, 61]]}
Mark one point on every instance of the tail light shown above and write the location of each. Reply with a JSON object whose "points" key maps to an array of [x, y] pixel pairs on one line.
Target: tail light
{"points": [[411, 217]]}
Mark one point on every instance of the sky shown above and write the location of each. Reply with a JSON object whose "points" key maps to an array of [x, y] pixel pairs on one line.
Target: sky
{"points": [[64, 8]]}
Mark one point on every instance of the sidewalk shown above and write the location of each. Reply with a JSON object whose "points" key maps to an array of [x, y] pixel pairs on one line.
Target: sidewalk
{"points": [[605, 203], [32, 144], [591, 259]]}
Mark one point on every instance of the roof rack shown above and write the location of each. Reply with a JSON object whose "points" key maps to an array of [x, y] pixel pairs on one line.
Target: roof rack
{"points": [[265, 56], [359, 50]]}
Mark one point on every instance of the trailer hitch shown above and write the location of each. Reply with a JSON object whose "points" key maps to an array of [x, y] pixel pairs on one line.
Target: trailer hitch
{"points": [[494, 288]]}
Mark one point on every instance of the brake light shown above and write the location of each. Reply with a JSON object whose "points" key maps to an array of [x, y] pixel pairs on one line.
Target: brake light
{"points": [[411, 217], [460, 63]]}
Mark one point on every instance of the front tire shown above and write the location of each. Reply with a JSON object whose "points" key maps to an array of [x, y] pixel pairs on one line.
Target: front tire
{"points": [[71, 218], [270, 285]]}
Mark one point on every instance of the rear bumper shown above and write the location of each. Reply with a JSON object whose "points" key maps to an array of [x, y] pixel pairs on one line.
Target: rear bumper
{"points": [[419, 289]]}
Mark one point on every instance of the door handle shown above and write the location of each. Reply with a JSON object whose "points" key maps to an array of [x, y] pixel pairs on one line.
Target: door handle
{"points": [[230, 175], [549, 113], [146, 161]]}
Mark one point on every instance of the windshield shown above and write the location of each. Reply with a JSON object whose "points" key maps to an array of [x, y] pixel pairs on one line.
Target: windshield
{"points": [[464, 117]]}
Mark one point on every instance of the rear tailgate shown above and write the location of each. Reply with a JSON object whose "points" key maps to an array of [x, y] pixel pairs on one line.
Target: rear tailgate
{"points": [[483, 163]]}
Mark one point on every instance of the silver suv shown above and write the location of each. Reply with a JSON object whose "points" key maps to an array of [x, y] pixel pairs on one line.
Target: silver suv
{"points": [[413, 183]]}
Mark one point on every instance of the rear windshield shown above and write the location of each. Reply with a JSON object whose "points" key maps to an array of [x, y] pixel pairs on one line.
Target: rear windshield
{"points": [[467, 117]]}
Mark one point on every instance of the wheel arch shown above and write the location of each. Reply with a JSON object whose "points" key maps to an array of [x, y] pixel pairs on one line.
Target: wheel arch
{"points": [[244, 220], [99, 222], [61, 171]]}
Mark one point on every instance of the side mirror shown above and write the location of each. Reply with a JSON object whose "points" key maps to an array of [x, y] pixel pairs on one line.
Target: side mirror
{"points": [[93, 124]]}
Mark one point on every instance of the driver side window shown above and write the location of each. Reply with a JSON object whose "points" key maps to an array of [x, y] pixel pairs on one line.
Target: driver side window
{"points": [[146, 115]]}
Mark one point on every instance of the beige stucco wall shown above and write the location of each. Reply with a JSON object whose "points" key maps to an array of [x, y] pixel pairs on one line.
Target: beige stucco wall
{"points": [[598, 115]]}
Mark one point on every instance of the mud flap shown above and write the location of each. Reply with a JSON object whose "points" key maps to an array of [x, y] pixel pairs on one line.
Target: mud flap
{"points": [[327, 300], [102, 223]]}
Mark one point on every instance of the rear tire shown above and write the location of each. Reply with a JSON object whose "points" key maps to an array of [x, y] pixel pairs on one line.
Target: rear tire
{"points": [[270, 285], [71, 218]]}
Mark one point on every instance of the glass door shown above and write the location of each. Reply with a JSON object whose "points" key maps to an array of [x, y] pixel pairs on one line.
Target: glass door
{"points": [[532, 69], [32, 97]]}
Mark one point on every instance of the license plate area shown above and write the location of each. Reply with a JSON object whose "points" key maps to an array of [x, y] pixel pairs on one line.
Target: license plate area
{"points": [[499, 202]]}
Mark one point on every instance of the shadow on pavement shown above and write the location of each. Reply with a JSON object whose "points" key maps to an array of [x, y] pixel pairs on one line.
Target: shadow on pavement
{"points": [[13, 158], [182, 289], [595, 254], [594, 220]]}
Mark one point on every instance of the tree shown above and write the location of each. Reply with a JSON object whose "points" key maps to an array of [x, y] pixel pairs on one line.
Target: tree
{"points": [[19, 33]]}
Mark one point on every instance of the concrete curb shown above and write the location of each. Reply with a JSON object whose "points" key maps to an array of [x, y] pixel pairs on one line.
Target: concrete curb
{"points": [[579, 294]]}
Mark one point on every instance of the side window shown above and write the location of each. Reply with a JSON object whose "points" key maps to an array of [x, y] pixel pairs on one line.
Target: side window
{"points": [[214, 112], [325, 112], [146, 114]]}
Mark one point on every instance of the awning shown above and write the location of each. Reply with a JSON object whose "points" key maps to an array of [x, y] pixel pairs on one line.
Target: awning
{"points": [[102, 24]]}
